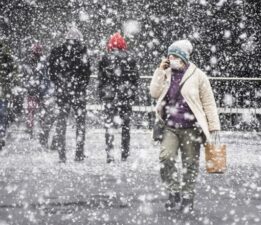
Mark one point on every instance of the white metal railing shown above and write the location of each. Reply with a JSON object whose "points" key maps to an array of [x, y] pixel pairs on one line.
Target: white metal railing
{"points": [[211, 78], [137, 108], [239, 110], [223, 110]]}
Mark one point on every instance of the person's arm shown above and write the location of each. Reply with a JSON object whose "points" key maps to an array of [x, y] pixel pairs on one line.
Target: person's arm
{"points": [[158, 79], [101, 78], [85, 66], [209, 104], [134, 79], [134, 73], [52, 67], [10, 74]]}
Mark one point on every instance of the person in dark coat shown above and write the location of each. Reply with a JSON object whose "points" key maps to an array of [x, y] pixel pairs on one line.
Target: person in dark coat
{"points": [[118, 80], [8, 80], [70, 73]]}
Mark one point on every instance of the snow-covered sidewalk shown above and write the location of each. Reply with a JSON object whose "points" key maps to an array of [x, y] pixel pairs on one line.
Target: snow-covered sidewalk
{"points": [[35, 189]]}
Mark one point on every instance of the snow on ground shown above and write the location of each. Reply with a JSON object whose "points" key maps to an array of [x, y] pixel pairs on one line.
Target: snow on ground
{"points": [[242, 148], [36, 189]]}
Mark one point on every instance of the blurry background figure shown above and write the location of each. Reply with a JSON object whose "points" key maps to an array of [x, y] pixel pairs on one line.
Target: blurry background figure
{"points": [[38, 88], [118, 81], [8, 81], [70, 72], [31, 69]]}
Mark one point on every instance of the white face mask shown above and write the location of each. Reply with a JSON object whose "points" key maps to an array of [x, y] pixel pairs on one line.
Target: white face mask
{"points": [[176, 64]]}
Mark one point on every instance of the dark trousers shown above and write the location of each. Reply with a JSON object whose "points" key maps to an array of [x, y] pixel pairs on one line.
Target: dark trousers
{"points": [[47, 119], [124, 111], [65, 103], [32, 106]]}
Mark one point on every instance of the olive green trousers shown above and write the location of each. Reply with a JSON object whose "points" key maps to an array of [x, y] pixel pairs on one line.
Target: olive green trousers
{"points": [[188, 142]]}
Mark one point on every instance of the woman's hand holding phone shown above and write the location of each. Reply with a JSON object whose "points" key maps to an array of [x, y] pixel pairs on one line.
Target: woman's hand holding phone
{"points": [[164, 64]]}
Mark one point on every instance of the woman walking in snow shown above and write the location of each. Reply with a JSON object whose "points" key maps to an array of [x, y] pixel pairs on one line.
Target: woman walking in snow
{"points": [[190, 117]]}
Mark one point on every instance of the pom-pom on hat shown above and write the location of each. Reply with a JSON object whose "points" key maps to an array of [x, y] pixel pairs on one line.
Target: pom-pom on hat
{"points": [[181, 49], [74, 34], [116, 41]]}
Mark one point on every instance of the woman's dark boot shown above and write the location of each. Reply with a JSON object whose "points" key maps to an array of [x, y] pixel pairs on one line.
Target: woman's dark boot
{"points": [[173, 200]]}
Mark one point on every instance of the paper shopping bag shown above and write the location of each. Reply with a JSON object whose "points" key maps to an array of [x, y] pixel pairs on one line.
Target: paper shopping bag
{"points": [[216, 158]]}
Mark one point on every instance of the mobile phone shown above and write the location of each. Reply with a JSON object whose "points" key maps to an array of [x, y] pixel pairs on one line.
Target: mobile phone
{"points": [[168, 64]]}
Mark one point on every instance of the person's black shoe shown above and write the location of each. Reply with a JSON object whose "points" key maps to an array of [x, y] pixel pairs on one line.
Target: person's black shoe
{"points": [[43, 144], [124, 156], [42, 140], [110, 158], [124, 159], [2, 143], [54, 145], [172, 202], [62, 157], [79, 158], [186, 205], [62, 160], [29, 131]]}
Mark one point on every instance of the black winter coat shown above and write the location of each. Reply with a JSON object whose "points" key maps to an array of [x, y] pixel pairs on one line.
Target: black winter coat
{"points": [[8, 72], [118, 77], [69, 66]]}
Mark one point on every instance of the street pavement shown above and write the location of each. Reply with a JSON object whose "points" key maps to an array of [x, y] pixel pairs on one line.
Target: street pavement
{"points": [[36, 189]]}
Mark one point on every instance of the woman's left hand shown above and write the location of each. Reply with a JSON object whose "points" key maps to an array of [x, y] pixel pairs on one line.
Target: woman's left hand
{"points": [[215, 137]]}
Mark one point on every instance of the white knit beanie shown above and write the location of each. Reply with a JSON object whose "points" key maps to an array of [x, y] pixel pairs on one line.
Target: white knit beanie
{"points": [[182, 49], [74, 34]]}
